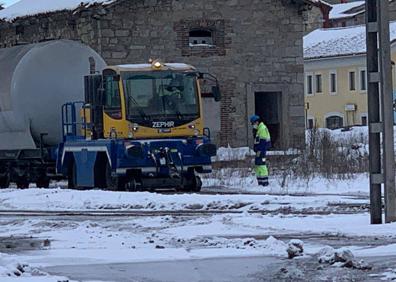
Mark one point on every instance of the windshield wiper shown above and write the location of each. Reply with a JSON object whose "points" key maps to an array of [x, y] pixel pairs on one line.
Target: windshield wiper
{"points": [[139, 108]]}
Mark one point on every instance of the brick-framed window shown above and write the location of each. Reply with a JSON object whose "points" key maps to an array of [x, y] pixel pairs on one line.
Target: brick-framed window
{"points": [[202, 37]]}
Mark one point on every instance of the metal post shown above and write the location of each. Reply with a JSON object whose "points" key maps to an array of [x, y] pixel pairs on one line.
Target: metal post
{"points": [[387, 111], [375, 127], [379, 71]]}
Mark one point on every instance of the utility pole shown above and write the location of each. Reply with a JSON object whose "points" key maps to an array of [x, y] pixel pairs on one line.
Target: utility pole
{"points": [[380, 111]]}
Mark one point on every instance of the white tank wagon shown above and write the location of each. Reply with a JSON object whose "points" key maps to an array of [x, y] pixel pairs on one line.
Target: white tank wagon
{"points": [[35, 81]]}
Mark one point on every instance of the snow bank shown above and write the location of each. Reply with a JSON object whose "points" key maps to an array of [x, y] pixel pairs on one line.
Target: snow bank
{"points": [[358, 133], [12, 270], [389, 275], [233, 154], [32, 7], [342, 257], [243, 181], [93, 200]]}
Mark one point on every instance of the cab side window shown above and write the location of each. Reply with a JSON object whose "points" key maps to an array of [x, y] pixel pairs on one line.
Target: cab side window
{"points": [[112, 99]]}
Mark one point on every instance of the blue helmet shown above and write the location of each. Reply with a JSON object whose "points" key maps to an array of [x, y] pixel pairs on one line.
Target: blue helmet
{"points": [[254, 118]]}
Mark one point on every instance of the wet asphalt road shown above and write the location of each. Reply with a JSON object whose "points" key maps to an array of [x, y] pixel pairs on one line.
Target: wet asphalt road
{"points": [[219, 269], [239, 269]]}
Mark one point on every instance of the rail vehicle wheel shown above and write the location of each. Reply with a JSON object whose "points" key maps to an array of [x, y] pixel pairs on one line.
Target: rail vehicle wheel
{"points": [[132, 185], [22, 184], [114, 183], [192, 183], [72, 176], [197, 184], [43, 183], [5, 181]]}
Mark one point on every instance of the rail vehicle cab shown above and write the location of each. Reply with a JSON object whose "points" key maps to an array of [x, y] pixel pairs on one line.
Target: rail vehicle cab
{"points": [[153, 100], [142, 126]]}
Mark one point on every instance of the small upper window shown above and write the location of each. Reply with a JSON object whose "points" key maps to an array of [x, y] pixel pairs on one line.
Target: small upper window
{"points": [[201, 37], [309, 86], [352, 84]]}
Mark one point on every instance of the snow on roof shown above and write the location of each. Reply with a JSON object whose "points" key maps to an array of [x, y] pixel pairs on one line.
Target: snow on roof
{"points": [[339, 11], [25, 8], [344, 41], [32, 7]]}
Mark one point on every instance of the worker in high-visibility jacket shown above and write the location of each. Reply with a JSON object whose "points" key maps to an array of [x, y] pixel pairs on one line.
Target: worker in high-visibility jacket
{"points": [[262, 141]]}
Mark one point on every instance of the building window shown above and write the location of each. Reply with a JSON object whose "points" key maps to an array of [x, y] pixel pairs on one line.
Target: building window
{"points": [[333, 82], [352, 81], [201, 37], [318, 83], [333, 122], [309, 85], [363, 80], [364, 120]]}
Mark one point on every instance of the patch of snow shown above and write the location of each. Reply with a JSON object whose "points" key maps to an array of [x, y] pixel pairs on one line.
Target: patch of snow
{"points": [[24, 8], [11, 270], [389, 275], [343, 10], [201, 45], [385, 250], [233, 154]]}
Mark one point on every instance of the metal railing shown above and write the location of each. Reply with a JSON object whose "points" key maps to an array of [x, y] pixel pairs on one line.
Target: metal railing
{"points": [[75, 125]]}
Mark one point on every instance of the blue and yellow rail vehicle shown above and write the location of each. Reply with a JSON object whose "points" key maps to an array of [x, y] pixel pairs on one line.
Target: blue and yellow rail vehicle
{"points": [[140, 127]]}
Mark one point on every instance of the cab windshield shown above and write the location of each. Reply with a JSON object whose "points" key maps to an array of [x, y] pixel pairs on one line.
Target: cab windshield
{"points": [[157, 95]]}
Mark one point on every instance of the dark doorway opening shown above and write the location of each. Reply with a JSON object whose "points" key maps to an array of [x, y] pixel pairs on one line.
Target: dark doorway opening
{"points": [[268, 108]]}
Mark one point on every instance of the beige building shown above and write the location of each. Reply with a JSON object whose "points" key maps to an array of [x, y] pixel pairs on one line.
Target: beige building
{"points": [[336, 76]]}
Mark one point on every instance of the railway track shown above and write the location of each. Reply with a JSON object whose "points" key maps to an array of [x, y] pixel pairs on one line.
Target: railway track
{"points": [[335, 209], [118, 213]]}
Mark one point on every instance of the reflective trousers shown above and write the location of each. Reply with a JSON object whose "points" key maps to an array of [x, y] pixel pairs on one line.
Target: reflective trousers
{"points": [[261, 171], [262, 175]]}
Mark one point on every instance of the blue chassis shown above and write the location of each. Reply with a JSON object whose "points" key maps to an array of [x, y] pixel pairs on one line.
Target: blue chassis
{"points": [[183, 152]]}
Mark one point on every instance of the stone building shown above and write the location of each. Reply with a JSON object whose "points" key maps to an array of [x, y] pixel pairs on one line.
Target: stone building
{"points": [[316, 16], [254, 47]]}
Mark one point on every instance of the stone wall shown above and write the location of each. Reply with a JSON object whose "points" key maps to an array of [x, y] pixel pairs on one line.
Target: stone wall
{"points": [[313, 19], [257, 47]]}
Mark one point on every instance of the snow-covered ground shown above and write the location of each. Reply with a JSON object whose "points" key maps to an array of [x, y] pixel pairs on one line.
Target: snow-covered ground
{"points": [[263, 225]]}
